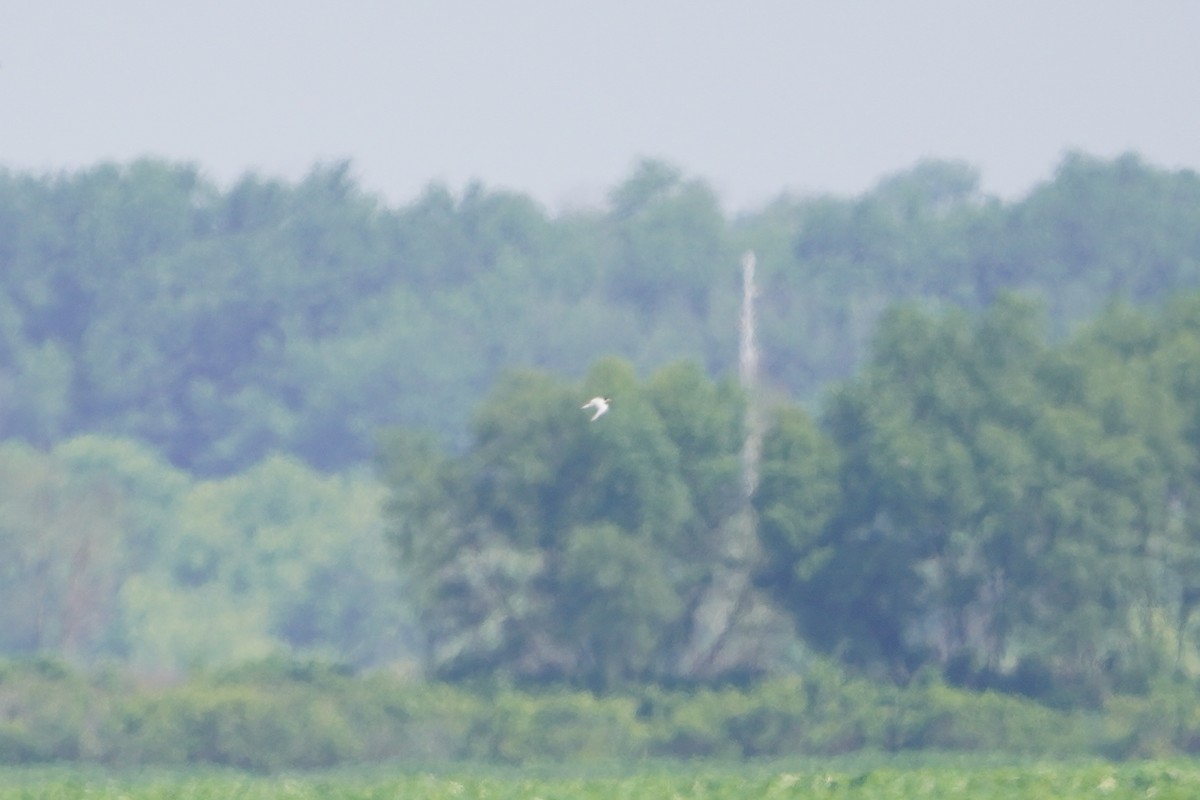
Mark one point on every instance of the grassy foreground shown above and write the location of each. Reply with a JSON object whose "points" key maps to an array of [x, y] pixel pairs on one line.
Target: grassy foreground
{"points": [[888, 780]]}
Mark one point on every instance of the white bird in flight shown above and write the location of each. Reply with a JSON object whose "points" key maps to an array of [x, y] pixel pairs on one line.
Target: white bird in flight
{"points": [[598, 403]]}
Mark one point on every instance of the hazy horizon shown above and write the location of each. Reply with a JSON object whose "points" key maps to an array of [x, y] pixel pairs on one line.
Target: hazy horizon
{"points": [[560, 101]]}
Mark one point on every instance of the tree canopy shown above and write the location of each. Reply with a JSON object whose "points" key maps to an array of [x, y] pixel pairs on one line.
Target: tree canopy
{"points": [[981, 454], [557, 548], [1009, 511], [219, 325]]}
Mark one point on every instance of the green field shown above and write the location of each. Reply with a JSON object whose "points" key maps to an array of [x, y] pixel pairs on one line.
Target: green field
{"points": [[960, 778]]}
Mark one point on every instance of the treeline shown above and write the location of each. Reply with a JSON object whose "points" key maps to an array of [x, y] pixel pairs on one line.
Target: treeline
{"points": [[194, 380], [280, 716], [1005, 510], [221, 325], [108, 555]]}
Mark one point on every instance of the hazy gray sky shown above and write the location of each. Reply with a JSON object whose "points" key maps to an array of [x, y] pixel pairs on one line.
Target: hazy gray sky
{"points": [[559, 98]]}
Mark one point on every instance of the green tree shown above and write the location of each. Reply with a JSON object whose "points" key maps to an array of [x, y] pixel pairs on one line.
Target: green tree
{"points": [[551, 534], [35, 382], [277, 560], [60, 552], [1005, 507], [614, 606], [797, 497], [1103, 228], [671, 235]]}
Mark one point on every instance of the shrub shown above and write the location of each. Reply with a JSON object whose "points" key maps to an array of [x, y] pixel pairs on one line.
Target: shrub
{"points": [[275, 716], [516, 727], [45, 712]]}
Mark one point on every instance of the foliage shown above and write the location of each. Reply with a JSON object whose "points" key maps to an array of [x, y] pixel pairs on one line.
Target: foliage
{"points": [[109, 553], [223, 324], [280, 716], [1012, 512], [558, 548], [1009, 511], [999, 488], [44, 712], [839, 779], [60, 554]]}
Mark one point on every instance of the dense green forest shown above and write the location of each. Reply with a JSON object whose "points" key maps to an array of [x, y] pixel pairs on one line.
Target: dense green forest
{"points": [[218, 326], [1006, 511], [286, 418]]}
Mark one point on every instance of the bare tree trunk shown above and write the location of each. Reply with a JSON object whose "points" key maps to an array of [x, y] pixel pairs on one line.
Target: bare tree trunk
{"points": [[729, 621]]}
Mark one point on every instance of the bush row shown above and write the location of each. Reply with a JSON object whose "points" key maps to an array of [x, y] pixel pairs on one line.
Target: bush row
{"points": [[277, 716]]}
